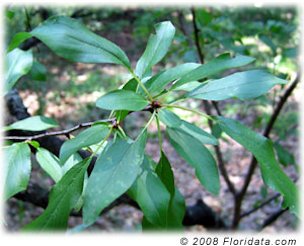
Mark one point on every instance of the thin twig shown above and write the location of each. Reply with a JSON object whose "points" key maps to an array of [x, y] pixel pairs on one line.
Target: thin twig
{"points": [[57, 133], [273, 217], [263, 204], [70, 130], [196, 37]]}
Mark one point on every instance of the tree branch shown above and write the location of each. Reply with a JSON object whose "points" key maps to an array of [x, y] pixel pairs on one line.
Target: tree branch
{"points": [[263, 204], [70, 130], [272, 218], [57, 133], [196, 37]]}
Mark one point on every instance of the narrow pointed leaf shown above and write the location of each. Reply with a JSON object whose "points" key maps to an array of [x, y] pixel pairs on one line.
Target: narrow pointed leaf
{"points": [[198, 156], [215, 66], [63, 198], [157, 83], [18, 63], [261, 147], [164, 172], [198, 133], [189, 86], [70, 39], [131, 85], [172, 120], [177, 207], [169, 118], [18, 168], [157, 47], [34, 123], [49, 163], [122, 100], [242, 85], [114, 172], [152, 196], [88, 137]]}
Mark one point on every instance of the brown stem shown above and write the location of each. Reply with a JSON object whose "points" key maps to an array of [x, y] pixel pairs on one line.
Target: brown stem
{"points": [[263, 204], [273, 217], [68, 131], [57, 133], [196, 37]]}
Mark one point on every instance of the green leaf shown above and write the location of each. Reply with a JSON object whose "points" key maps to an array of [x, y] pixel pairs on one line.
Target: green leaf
{"points": [[189, 86], [216, 130], [156, 49], [261, 147], [18, 168], [198, 156], [19, 38], [215, 66], [164, 172], [152, 196], [169, 118], [114, 172], [198, 133], [122, 100], [242, 85], [284, 156], [88, 137], [158, 82], [131, 85], [38, 71], [70, 39], [71, 161], [49, 163], [34, 123], [172, 120], [177, 207], [63, 198], [18, 63]]}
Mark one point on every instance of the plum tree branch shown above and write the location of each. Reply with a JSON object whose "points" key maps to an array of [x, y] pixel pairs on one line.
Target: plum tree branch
{"points": [[67, 131], [57, 133]]}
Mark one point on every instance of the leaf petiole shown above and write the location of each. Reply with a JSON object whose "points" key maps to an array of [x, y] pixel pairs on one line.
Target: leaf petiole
{"points": [[160, 140], [141, 84], [147, 125], [101, 144]]}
